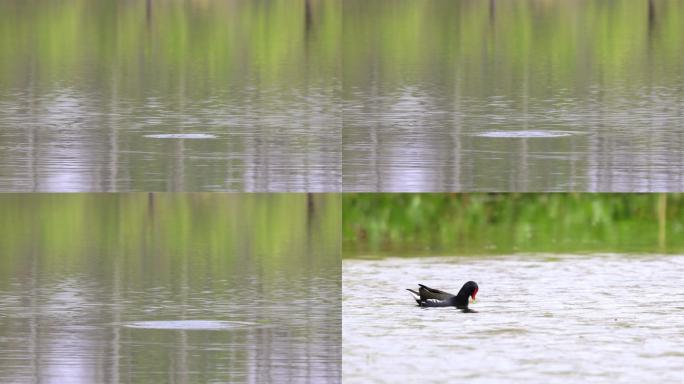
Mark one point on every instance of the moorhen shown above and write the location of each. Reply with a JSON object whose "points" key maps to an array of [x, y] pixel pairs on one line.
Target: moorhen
{"points": [[430, 297]]}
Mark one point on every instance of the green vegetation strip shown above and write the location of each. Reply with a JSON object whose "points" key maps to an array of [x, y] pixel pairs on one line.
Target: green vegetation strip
{"points": [[464, 224]]}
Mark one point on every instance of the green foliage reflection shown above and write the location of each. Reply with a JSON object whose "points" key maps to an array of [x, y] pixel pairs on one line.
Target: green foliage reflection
{"points": [[154, 236]]}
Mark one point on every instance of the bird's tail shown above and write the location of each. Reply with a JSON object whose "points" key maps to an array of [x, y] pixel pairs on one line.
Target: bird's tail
{"points": [[415, 295]]}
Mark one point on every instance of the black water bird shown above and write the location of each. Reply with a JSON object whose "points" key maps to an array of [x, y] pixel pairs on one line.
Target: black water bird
{"points": [[430, 297]]}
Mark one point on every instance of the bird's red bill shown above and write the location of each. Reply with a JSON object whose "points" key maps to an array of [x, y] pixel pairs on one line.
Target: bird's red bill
{"points": [[474, 293]]}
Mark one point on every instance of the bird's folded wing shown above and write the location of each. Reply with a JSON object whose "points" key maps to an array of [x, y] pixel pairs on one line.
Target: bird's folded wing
{"points": [[431, 293]]}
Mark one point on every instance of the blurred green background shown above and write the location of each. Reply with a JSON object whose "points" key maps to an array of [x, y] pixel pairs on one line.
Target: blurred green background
{"points": [[130, 45], [485, 47], [149, 235], [462, 224]]}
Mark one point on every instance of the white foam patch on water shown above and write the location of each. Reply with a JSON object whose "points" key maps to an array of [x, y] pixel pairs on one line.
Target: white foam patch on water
{"points": [[525, 134], [207, 325], [182, 136]]}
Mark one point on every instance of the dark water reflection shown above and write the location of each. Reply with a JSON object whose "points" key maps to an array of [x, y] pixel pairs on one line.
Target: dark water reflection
{"points": [[434, 79], [83, 83], [69, 288]]}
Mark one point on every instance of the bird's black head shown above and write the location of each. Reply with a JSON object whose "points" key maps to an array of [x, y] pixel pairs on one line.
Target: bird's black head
{"points": [[469, 289]]}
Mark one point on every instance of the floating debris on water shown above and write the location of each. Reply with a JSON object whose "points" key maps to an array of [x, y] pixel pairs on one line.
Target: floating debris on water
{"points": [[525, 134], [182, 136], [205, 325]]}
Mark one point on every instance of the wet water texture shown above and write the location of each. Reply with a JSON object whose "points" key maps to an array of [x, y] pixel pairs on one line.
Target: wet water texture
{"points": [[170, 96], [186, 289], [513, 96], [542, 318]]}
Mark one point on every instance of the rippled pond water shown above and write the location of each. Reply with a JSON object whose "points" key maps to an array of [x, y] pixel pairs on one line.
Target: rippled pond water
{"points": [[106, 96], [120, 288], [437, 93], [542, 318]]}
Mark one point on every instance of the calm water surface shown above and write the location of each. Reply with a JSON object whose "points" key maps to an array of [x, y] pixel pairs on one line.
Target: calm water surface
{"points": [[88, 87], [107, 289], [513, 96], [543, 318]]}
